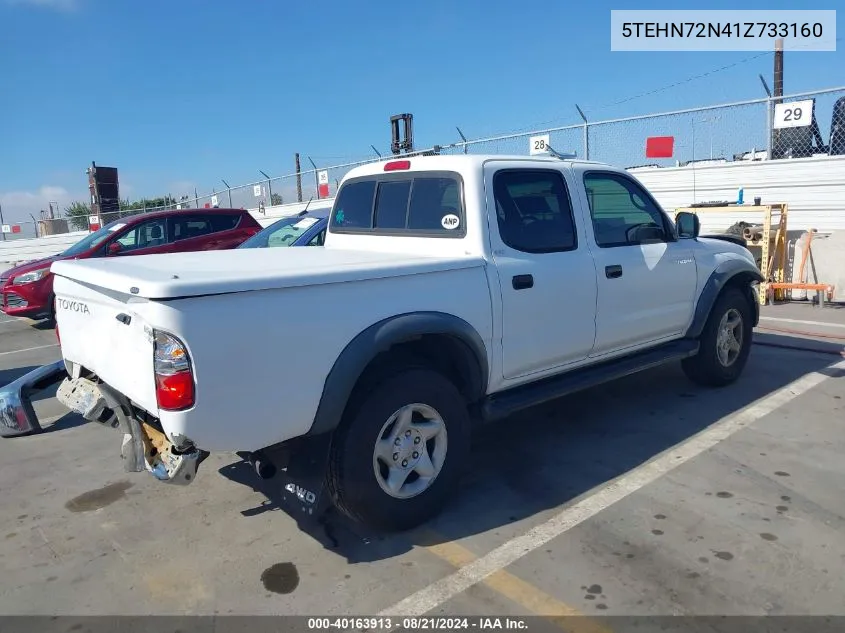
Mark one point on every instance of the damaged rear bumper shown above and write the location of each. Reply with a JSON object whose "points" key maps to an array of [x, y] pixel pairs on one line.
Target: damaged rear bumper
{"points": [[144, 446], [17, 415]]}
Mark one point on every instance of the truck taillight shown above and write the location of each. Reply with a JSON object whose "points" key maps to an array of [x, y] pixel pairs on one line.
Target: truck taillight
{"points": [[397, 165], [173, 375]]}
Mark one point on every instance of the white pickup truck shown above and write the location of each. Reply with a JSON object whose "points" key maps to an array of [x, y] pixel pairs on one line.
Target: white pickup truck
{"points": [[451, 291]]}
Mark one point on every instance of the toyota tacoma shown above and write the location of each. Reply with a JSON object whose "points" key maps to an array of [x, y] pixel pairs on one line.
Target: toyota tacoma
{"points": [[452, 291]]}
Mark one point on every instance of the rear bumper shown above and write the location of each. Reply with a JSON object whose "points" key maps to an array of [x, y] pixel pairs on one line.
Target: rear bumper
{"points": [[144, 447], [17, 415]]}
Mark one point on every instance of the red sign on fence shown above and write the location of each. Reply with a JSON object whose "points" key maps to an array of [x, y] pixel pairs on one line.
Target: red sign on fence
{"points": [[659, 146], [16, 228], [323, 184]]}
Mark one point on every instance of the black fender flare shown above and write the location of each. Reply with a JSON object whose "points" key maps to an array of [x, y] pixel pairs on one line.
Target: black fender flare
{"points": [[727, 272], [379, 337]]}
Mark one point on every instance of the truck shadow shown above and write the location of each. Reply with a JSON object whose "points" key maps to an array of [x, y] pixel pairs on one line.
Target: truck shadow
{"points": [[549, 456], [70, 420]]}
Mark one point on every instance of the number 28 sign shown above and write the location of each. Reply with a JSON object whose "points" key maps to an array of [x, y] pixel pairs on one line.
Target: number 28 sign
{"points": [[538, 145], [793, 114]]}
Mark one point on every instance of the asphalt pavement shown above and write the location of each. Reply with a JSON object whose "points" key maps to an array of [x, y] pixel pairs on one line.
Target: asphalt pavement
{"points": [[649, 496]]}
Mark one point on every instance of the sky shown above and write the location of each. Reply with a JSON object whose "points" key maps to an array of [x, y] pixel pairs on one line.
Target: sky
{"points": [[179, 94]]}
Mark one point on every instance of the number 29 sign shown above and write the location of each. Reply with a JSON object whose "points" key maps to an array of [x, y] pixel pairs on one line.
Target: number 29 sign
{"points": [[793, 114]]}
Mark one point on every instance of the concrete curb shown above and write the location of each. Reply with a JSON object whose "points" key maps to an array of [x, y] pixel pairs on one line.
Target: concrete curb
{"points": [[799, 343]]}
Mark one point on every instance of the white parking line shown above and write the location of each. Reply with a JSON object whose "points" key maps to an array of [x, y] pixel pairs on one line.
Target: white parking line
{"points": [[28, 349], [443, 590], [821, 323]]}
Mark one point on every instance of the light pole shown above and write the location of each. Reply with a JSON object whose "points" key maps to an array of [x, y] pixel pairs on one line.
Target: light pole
{"points": [[711, 120], [692, 163], [269, 186], [693, 140]]}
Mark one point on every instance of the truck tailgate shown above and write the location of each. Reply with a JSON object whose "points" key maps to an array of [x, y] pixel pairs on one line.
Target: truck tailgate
{"points": [[101, 330]]}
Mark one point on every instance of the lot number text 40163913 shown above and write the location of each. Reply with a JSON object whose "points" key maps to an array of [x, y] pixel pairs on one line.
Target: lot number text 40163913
{"points": [[420, 623]]}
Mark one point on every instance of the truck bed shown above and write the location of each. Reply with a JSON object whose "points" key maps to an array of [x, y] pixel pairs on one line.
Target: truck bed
{"points": [[173, 275]]}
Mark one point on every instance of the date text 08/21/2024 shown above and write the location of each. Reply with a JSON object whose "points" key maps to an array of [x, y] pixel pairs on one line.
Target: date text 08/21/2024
{"points": [[416, 623]]}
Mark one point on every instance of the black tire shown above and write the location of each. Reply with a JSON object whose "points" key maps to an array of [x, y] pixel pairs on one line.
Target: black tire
{"points": [[352, 479], [51, 317], [705, 368]]}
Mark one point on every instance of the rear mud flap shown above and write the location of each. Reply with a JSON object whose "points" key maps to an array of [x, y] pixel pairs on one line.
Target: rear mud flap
{"points": [[303, 481], [17, 415]]}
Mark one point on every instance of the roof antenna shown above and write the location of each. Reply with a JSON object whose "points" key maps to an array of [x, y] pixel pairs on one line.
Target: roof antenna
{"points": [[305, 210], [560, 155]]}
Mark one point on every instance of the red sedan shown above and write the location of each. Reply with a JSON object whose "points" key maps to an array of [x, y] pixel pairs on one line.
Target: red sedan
{"points": [[28, 289]]}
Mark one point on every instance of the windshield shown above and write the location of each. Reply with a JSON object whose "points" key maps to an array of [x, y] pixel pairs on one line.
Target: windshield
{"points": [[94, 239], [282, 233]]}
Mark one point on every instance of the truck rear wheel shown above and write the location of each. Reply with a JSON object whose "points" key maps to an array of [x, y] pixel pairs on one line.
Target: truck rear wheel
{"points": [[725, 342], [396, 460]]}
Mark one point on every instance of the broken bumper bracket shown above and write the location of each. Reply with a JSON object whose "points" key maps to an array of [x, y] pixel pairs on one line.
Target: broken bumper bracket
{"points": [[17, 415], [171, 468]]}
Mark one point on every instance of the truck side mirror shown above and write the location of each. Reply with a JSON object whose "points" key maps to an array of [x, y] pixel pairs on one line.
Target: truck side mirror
{"points": [[688, 224], [114, 248]]}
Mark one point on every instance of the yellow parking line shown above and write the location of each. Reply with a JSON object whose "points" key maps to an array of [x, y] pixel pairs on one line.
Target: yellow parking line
{"points": [[515, 589]]}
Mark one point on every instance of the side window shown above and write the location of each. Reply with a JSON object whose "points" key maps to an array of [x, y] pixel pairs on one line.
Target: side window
{"points": [[224, 221], [622, 213], [129, 240], [145, 235], [319, 239], [187, 226], [534, 211]]}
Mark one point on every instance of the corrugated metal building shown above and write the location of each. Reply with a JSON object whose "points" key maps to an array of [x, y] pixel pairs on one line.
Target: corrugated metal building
{"points": [[814, 189]]}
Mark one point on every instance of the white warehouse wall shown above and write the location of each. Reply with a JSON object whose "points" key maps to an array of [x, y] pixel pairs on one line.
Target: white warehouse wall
{"points": [[814, 189]]}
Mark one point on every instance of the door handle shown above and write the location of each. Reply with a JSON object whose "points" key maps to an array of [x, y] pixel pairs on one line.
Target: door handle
{"points": [[613, 272], [522, 282]]}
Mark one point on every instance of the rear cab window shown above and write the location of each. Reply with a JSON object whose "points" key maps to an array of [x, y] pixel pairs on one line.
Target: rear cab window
{"points": [[419, 204]]}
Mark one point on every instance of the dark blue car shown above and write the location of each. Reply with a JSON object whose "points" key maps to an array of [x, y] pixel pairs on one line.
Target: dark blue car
{"points": [[306, 229]]}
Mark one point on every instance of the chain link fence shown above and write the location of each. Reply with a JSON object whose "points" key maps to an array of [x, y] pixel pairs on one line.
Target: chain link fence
{"points": [[712, 134], [793, 126]]}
